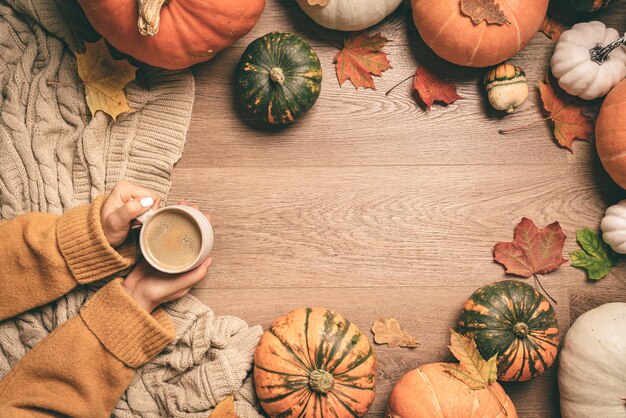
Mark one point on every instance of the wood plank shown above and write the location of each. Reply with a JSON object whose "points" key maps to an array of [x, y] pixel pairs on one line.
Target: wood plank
{"points": [[583, 299], [381, 226], [344, 127], [426, 312]]}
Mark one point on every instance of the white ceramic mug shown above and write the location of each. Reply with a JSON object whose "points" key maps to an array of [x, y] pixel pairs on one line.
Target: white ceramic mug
{"points": [[203, 225]]}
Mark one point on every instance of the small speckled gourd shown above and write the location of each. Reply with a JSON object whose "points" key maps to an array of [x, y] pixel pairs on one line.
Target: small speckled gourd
{"points": [[506, 86], [278, 78]]}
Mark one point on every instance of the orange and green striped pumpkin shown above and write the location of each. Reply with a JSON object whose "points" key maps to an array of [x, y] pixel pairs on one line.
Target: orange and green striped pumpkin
{"points": [[312, 362], [513, 320]]}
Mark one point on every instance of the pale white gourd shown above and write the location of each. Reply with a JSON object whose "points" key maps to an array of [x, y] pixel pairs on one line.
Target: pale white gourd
{"points": [[349, 15], [592, 367], [577, 72], [613, 227]]}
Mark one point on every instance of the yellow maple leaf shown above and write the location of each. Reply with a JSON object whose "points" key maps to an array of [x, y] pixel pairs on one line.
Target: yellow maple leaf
{"points": [[104, 78], [225, 409], [473, 370]]}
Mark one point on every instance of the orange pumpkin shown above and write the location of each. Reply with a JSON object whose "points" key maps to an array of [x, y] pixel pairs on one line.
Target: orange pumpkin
{"points": [[313, 362], [430, 392], [454, 37], [611, 134], [174, 36]]}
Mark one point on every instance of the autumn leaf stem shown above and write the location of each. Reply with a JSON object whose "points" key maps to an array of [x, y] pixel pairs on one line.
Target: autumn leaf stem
{"points": [[397, 84], [519, 128], [498, 400], [536, 276]]}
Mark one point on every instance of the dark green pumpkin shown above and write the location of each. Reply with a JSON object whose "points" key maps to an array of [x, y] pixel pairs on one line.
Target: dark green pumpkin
{"points": [[278, 78], [513, 320], [585, 6]]}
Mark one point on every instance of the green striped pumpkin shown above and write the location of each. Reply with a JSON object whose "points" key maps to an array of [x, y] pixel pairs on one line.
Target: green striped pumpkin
{"points": [[585, 6], [313, 362], [511, 319], [278, 78]]}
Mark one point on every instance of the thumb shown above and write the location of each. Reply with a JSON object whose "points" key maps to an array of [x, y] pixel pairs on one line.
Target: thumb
{"points": [[130, 210]]}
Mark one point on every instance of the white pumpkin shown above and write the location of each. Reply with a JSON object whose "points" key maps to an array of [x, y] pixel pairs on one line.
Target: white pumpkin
{"points": [[613, 227], [592, 368], [577, 72], [349, 15]]}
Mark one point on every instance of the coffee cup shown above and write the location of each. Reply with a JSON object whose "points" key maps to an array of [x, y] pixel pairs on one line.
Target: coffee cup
{"points": [[175, 239]]}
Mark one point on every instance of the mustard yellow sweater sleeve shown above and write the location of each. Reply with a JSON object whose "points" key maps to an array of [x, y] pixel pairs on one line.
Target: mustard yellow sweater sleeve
{"points": [[44, 256], [83, 367]]}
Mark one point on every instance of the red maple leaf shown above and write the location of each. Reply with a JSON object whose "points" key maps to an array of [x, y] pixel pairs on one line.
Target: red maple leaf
{"points": [[566, 112], [431, 88], [552, 28], [361, 57], [532, 250]]}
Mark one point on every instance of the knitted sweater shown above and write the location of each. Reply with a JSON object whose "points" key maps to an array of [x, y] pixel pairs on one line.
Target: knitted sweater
{"points": [[83, 367]]}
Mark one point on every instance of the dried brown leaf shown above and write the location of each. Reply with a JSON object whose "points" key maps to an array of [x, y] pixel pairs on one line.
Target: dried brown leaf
{"points": [[388, 331], [318, 2], [225, 409], [487, 10]]}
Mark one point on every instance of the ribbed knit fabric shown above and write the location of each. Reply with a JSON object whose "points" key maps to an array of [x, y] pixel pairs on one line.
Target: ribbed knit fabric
{"points": [[54, 157], [133, 338], [79, 247]]}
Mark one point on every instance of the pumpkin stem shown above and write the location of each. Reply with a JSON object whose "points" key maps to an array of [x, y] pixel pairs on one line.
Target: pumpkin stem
{"points": [[277, 76], [520, 330], [321, 381], [149, 16], [600, 54]]}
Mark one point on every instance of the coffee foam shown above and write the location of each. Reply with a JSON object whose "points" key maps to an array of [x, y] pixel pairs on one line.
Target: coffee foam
{"points": [[173, 239]]}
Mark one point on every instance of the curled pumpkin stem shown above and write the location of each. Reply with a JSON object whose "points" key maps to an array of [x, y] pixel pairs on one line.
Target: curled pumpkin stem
{"points": [[600, 54], [149, 16]]}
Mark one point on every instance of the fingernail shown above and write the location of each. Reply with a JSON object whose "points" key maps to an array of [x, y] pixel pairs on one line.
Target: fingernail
{"points": [[146, 202]]}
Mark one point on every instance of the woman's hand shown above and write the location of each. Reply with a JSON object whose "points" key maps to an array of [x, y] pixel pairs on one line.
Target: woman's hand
{"points": [[125, 203], [150, 287]]}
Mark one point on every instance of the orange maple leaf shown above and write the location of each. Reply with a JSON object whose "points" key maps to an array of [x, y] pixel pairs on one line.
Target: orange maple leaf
{"points": [[431, 88], [361, 57], [566, 112]]}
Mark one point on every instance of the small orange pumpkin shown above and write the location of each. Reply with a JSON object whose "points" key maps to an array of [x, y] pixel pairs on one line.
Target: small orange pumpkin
{"points": [[172, 34], [454, 37], [430, 392], [611, 134], [313, 362]]}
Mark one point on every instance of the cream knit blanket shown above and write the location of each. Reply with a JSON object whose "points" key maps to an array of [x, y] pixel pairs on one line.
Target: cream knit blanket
{"points": [[54, 156]]}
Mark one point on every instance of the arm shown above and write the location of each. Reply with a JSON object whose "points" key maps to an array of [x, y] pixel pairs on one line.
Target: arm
{"points": [[44, 256], [84, 366]]}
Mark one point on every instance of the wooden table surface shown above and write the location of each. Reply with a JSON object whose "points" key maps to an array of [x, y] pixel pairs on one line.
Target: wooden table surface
{"points": [[372, 207]]}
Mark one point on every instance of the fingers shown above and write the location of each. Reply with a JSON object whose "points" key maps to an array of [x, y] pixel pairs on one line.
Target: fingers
{"points": [[130, 210], [126, 191], [189, 279], [195, 206]]}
